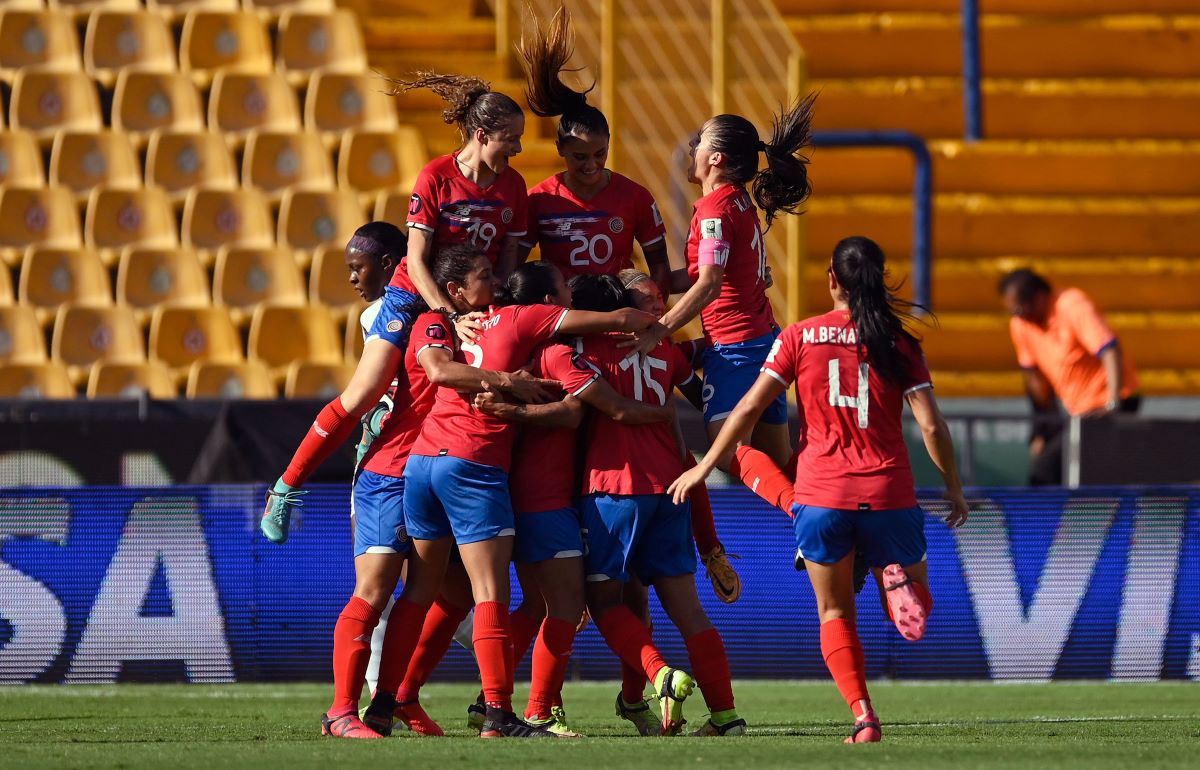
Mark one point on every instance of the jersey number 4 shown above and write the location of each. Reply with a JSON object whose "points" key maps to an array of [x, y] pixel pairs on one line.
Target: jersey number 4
{"points": [[859, 402], [643, 376]]}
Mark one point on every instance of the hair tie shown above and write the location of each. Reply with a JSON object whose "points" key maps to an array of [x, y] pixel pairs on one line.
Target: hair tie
{"points": [[367, 245], [762, 146], [636, 279]]}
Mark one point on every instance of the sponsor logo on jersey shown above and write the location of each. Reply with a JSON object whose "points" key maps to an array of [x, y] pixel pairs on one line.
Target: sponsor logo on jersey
{"points": [[414, 205], [616, 224], [435, 332]]}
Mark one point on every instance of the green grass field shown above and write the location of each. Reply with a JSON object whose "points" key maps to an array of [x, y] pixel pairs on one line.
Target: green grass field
{"points": [[957, 725]]}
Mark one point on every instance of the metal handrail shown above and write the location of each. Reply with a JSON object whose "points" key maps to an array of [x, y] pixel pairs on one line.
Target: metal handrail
{"points": [[971, 72], [922, 195]]}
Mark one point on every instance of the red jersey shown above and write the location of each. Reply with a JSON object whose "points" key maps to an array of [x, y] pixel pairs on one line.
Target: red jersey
{"points": [[543, 471], [593, 237], [454, 427], [852, 453], [725, 232], [634, 459], [413, 398], [456, 210]]}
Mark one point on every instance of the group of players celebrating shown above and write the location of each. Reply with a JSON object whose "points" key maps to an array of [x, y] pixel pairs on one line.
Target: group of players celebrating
{"points": [[522, 412]]}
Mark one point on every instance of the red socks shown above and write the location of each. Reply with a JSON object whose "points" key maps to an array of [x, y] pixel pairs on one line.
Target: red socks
{"points": [[441, 622], [551, 654], [704, 529], [328, 432], [628, 637], [351, 654], [758, 472], [844, 657], [524, 629], [493, 650], [633, 684], [403, 630], [706, 652]]}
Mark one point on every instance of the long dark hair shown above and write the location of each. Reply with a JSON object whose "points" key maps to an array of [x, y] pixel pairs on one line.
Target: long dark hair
{"points": [[471, 102], [528, 284], [450, 265], [598, 293], [878, 314], [784, 184], [544, 57]]}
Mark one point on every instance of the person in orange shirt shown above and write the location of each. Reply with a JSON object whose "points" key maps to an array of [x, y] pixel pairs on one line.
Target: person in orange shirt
{"points": [[1065, 348]]}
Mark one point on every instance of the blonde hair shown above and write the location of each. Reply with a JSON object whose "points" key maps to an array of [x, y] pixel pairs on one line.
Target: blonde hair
{"points": [[631, 275]]}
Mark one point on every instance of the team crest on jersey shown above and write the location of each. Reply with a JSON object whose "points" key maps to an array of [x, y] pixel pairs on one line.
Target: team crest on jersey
{"points": [[435, 332], [616, 224], [395, 326], [414, 205], [506, 216]]}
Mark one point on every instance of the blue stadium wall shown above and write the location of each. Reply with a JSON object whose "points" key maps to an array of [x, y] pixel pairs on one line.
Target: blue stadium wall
{"points": [[106, 584]]}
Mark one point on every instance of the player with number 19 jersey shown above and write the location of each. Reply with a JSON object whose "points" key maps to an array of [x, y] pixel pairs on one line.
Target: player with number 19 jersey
{"points": [[454, 210], [596, 236], [852, 454]]}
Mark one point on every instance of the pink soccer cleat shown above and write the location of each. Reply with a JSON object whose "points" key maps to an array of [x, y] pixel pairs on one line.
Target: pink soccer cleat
{"points": [[907, 611], [346, 726], [866, 729], [413, 716]]}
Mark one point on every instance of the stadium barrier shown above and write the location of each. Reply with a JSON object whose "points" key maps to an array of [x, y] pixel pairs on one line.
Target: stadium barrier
{"points": [[111, 584]]}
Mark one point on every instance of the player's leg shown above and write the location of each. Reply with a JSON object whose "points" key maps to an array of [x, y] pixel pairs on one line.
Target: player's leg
{"points": [[526, 619], [445, 616], [729, 373], [725, 581], [894, 545], [631, 702]]}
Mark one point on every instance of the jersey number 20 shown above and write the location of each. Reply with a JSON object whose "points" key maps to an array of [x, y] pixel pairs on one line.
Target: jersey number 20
{"points": [[859, 402]]}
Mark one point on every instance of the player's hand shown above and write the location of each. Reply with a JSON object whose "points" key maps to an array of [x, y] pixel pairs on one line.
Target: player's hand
{"points": [[681, 486], [645, 341], [768, 278], [523, 386], [469, 325], [959, 509], [490, 402], [634, 320]]}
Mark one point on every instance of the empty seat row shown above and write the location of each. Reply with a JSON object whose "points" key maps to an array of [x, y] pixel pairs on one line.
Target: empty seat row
{"points": [[211, 40], [148, 278]]}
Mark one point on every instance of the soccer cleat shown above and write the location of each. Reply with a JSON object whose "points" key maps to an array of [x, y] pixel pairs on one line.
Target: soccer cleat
{"points": [[725, 581], [640, 715], [505, 724], [903, 605], [476, 714], [412, 716], [736, 726], [346, 726], [553, 726], [378, 716], [866, 730], [281, 499], [672, 686]]}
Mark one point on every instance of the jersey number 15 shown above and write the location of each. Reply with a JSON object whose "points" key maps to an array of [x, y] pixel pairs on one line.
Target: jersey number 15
{"points": [[643, 376]]}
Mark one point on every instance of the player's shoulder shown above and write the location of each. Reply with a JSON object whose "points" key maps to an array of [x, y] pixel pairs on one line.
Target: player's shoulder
{"points": [[513, 179], [626, 186], [440, 167], [549, 187], [370, 313], [1072, 298]]}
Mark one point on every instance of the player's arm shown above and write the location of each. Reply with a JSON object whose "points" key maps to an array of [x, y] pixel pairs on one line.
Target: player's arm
{"points": [[420, 256], [737, 429], [940, 447], [706, 289], [1114, 375], [1039, 389], [444, 371], [659, 265], [626, 319], [603, 397], [508, 260], [567, 413]]}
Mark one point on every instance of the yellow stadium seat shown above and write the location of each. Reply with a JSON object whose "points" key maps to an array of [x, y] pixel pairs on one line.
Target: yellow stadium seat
{"points": [[22, 340], [247, 277], [36, 215], [370, 161], [175, 10], [83, 160], [272, 9], [282, 335], [306, 379], [181, 336], [309, 219], [276, 161], [180, 161], [329, 42], [6, 287], [36, 38], [245, 379], [150, 278], [216, 218], [81, 9], [328, 284], [337, 102], [113, 380], [392, 206], [147, 101], [119, 218], [35, 381], [244, 101], [119, 38], [215, 40], [84, 335], [20, 160], [354, 337], [47, 101], [51, 277]]}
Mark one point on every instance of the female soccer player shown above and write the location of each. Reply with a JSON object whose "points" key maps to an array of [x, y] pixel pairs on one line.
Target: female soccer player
{"points": [[456, 484], [585, 218], [727, 259], [471, 196], [634, 529], [854, 369]]}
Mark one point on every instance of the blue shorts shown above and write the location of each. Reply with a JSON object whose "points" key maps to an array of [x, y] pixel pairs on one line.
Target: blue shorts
{"points": [[826, 535], [447, 495], [729, 373], [548, 535], [646, 535], [377, 507], [395, 318]]}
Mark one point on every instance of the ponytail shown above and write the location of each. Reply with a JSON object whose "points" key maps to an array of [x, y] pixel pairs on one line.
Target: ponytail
{"points": [[544, 58], [529, 284], [471, 104], [878, 314]]}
